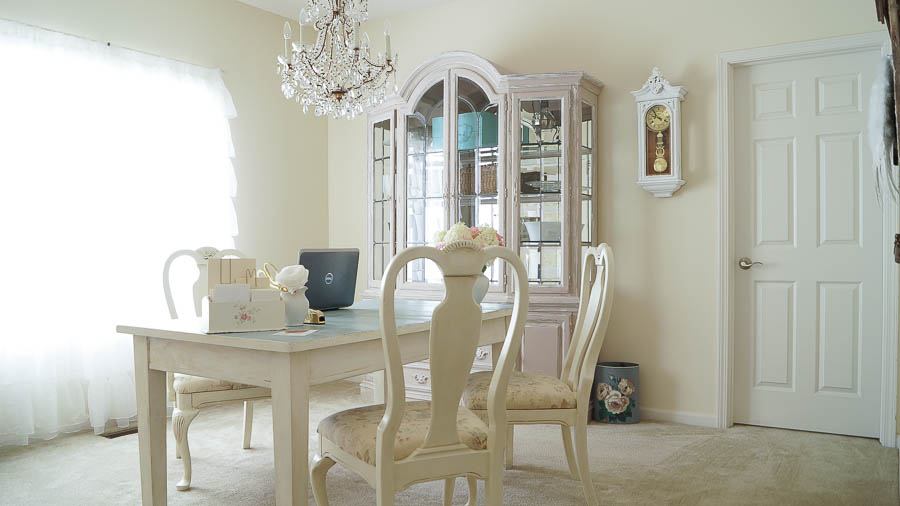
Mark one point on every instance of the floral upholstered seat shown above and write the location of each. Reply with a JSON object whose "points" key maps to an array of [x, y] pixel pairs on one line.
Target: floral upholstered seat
{"points": [[354, 430], [186, 384], [525, 391]]}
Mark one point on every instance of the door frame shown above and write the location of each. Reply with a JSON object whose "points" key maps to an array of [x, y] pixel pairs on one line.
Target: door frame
{"points": [[726, 63]]}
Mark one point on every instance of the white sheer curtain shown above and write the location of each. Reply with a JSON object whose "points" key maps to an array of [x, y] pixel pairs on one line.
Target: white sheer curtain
{"points": [[111, 159]]}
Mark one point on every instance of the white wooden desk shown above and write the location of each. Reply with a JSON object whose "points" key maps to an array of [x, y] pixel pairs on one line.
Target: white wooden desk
{"points": [[348, 344]]}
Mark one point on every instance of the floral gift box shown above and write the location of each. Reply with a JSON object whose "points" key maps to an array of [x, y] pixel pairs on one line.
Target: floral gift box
{"points": [[615, 396], [223, 317]]}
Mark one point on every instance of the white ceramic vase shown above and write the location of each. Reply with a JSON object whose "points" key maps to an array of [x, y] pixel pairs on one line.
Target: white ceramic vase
{"points": [[480, 289], [296, 307]]}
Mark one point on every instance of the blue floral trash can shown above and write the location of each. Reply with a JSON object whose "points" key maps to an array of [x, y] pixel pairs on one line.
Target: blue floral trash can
{"points": [[616, 393]]}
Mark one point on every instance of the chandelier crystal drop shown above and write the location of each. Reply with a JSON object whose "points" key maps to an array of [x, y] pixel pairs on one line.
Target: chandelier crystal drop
{"points": [[336, 75]]}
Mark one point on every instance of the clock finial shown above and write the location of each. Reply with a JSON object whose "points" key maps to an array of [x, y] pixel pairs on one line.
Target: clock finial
{"points": [[656, 82]]}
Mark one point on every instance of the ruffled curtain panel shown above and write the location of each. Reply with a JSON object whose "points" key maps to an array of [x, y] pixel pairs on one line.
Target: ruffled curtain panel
{"points": [[110, 159]]}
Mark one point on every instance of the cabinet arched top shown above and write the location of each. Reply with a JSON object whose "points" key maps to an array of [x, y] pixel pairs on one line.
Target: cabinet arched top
{"points": [[453, 60], [492, 78]]}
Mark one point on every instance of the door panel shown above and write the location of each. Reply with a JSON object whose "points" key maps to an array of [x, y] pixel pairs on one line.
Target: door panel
{"points": [[808, 321]]}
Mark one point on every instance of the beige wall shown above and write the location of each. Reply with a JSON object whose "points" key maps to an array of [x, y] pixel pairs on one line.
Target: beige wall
{"points": [[281, 158], [665, 311]]}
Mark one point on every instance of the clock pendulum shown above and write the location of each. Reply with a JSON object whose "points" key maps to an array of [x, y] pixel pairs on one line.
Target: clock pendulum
{"points": [[658, 120], [659, 165]]}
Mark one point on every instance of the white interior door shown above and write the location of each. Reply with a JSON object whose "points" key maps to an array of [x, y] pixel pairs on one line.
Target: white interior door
{"points": [[808, 321]]}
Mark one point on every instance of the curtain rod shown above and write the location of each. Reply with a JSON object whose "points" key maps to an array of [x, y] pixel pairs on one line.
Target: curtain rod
{"points": [[110, 44]]}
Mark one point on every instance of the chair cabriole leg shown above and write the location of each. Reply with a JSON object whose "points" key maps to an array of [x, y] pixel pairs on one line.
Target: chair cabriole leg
{"points": [[584, 470], [449, 484], [317, 473], [181, 421], [570, 452], [473, 490]]}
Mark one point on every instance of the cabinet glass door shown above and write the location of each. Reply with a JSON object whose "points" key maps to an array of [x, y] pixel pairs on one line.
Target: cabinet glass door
{"points": [[382, 185], [586, 195], [541, 182], [425, 179], [477, 129]]}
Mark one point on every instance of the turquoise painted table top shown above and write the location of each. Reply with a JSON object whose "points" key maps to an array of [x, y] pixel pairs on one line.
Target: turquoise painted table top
{"points": [[360, 322]]}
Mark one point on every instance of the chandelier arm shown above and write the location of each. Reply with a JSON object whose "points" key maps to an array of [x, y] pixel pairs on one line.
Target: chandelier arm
{"points": [[312, 69]]}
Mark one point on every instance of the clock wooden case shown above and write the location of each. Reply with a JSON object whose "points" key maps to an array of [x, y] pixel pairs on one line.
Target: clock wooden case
{"points": [[659, 135]]}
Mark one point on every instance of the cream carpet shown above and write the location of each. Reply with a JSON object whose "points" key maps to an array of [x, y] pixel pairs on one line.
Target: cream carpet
{"points": [[647, 463]]}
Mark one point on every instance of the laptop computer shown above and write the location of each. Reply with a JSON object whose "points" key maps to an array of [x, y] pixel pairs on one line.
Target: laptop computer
{"points": [[332, 276]]}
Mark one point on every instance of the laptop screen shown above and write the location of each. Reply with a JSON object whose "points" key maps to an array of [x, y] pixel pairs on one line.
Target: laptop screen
{"points": [[332, 276]]}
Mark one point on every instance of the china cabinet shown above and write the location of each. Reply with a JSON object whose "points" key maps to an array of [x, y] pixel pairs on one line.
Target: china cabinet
{"points": [[464, 140]]}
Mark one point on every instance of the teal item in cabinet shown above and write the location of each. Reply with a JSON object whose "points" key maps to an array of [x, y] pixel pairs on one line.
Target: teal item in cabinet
{"points": [[469, 135]]}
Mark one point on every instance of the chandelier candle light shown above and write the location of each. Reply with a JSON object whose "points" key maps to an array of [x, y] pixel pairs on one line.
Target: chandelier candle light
{"points": [[336, 75]]}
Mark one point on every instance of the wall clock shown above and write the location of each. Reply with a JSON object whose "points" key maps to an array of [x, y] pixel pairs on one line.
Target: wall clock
{"points": [[659, 135]]}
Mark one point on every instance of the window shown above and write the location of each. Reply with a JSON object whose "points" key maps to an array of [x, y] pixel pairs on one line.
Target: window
{"points": [[111, 160]]}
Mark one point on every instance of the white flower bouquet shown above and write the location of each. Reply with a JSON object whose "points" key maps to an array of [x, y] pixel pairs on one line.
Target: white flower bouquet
{"points": [[292, 278], [483, 236]]}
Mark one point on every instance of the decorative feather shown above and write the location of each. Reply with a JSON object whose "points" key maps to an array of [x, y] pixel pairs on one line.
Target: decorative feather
{"points": [[883, 131]]}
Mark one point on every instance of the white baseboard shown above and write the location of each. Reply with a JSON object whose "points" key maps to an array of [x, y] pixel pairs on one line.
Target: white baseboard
{"points": [[664, 415]]}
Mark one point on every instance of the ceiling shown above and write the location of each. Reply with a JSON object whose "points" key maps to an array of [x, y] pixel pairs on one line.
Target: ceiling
{"points": [[377, 8]]}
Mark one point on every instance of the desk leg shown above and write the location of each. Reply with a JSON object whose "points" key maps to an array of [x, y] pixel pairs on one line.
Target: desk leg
{"points": [[150, 389], [378, 386], [290, 426]]}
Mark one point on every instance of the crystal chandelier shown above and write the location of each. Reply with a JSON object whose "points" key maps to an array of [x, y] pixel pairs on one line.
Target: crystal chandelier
{"points": [[336, 75]]}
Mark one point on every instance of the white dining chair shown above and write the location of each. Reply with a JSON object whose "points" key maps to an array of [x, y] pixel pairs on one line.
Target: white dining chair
{"points": [[407, 443], [542, 399], [190, 393]]}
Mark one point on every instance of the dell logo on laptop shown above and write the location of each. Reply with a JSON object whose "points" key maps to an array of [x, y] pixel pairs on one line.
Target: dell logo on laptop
{"points": [[329, 278]]}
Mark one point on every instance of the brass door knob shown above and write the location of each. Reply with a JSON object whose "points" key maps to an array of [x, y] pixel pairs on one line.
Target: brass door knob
{"points": [[745, 263]]}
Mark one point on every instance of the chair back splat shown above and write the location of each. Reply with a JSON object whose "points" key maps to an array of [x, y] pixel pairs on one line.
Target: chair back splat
{"points": [[597, 286], [202, 256], [454, 337]]}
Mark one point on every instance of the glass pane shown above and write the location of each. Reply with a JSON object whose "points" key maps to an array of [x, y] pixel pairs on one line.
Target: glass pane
{"points": [[378, 180], [415, 134], [476, 164], [415, 221], [434, 218], [434, 174], [378, 140], [587, 220], [378, 217], [541, 182], [551, 265], [430, 111], [415, 270], [378, 261], [415, 176], [531, 257]]}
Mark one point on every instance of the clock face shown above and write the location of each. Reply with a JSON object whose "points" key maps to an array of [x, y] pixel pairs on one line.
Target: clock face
{"points": [[658, 118]]}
